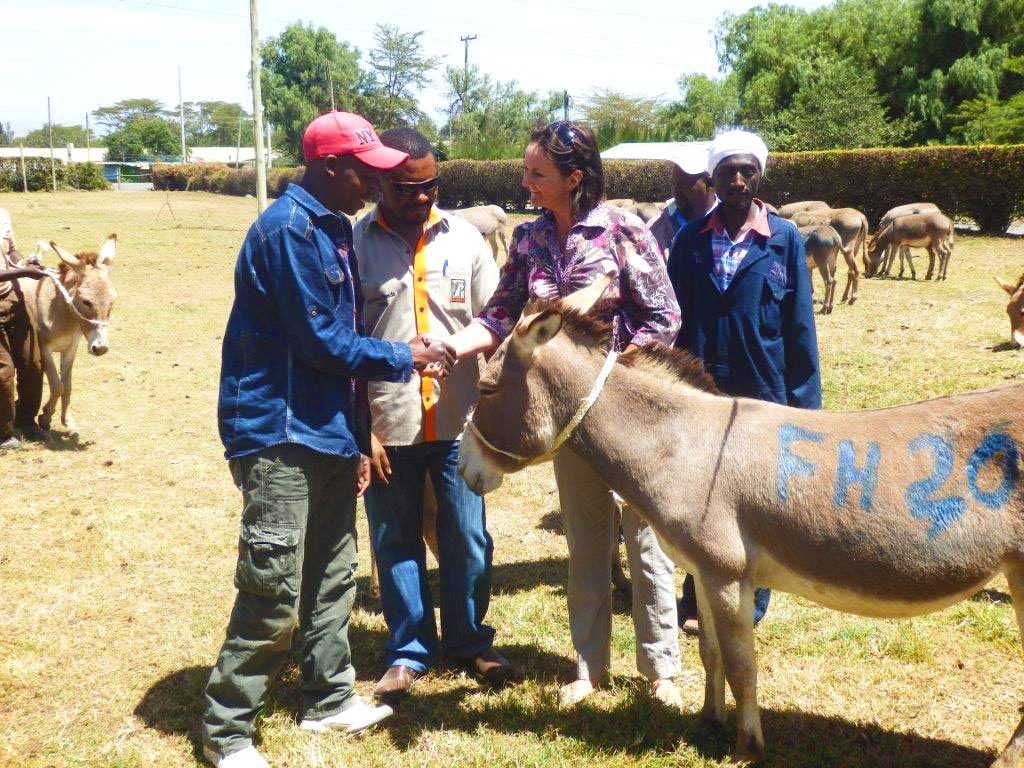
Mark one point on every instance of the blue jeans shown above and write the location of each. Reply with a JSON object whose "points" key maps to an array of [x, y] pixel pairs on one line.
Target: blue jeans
{"points": [[395, 513], [688, 602]]}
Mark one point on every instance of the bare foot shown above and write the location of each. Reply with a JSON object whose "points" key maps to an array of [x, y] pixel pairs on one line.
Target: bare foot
{"points": [[667, 692], [572, 694]]}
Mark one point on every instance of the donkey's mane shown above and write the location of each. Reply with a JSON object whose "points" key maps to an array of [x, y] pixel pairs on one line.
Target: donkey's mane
{"points": [[88, 259], [1020, 282], [677, 363]]}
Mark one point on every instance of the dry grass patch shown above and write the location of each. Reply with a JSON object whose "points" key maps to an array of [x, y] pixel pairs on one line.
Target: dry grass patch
{"points": [[117, 554]]}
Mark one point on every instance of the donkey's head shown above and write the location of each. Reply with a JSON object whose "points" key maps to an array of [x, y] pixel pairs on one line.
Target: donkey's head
{"points": [[875, 248], [1015, 309], [525, 399], [86, 276]]}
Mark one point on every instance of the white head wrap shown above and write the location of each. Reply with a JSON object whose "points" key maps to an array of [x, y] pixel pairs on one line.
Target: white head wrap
{"points": [[736, 143]]}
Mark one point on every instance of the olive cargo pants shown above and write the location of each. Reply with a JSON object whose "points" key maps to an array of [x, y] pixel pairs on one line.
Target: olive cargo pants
{"points": [[296, 566]]}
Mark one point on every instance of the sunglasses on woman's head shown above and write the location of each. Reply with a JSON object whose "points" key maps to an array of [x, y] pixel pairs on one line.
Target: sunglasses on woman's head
{"points": [[565, 133], [410, 188]]}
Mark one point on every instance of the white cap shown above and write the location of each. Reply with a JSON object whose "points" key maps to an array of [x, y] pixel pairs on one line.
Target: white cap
{"points": [[691, 157], [736, 143]]}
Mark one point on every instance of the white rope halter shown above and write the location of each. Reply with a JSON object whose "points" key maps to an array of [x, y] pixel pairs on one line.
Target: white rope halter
{"points": [[574, 422], [55, 277]]}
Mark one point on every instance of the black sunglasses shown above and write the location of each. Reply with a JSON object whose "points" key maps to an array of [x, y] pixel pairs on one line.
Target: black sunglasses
{"points": [[565, 133], [411, 188]]}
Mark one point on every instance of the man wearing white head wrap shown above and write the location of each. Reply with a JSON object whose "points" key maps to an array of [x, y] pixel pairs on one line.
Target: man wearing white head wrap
{"points": [[737, 143], [744, 291]]}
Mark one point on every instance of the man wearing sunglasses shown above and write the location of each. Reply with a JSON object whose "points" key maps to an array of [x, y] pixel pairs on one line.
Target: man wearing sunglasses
{"points": [[425, 272]]}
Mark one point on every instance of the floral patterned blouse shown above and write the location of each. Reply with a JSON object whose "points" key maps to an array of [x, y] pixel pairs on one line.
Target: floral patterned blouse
{"points": [[606, 241]]}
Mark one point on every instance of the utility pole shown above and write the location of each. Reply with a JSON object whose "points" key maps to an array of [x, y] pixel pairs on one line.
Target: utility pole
{"points": [[238, 146], [88, 157], [565, 105], [257, 110], [465, 60], [53, 162], [330, 84], [24, 176], [181, 116]]}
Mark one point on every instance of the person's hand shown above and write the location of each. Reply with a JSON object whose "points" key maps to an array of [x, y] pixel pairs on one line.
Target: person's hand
{"points": [[427, 352], [31, 270], [362, 475], [379, 461]]}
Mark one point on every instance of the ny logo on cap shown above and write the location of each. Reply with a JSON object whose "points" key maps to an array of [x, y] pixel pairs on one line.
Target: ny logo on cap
{"points": [[364, 137]]}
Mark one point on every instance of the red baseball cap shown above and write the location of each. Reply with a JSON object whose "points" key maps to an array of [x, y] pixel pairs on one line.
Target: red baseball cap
{"points": [[343, 133]]}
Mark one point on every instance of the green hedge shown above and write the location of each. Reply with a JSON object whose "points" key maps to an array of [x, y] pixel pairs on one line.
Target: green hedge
{"points": [[985, 183], [217, 177], [37, 172]]}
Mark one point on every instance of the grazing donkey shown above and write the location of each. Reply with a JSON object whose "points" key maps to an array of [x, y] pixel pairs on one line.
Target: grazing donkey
{"points": [[823, 246], [851, 224], [80, 306], [490, 221], [933, 231], [894, 213], [1015, 309], [790, 209], [889, 513]]}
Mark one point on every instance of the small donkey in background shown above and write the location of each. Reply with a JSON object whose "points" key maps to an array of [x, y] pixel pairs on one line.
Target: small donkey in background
{"points": [[75, 302]]}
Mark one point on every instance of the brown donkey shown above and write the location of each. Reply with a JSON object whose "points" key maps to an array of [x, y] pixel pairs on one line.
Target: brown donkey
{"points": [[80, 306], [1015, 309], [889, 513]]}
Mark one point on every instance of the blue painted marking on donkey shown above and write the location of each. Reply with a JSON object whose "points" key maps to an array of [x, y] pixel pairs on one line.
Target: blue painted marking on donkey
{"points": [[942, 512], [995, 444], [791, 465], [849, 474]]}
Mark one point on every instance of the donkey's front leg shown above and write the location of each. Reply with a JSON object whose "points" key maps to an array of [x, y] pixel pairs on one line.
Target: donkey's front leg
{"points": [[67, 360], [713, 710], [53, 382], [732, 610]]}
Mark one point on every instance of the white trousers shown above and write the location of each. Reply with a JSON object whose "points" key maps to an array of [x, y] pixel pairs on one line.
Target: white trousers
{"points": [[588, 512]]}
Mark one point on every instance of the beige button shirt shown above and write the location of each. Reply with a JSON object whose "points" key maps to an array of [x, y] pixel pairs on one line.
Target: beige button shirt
{"points": [[456, 275]]}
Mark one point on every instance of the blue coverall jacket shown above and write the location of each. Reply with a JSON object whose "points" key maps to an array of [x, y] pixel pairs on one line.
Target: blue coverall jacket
{"points": [[757, 339]]}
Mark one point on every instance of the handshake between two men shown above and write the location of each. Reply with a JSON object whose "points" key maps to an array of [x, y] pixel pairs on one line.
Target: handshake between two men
{"points": [[432, 357]]}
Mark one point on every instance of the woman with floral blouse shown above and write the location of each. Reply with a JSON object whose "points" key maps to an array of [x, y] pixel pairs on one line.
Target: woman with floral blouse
{"points": [[577, 239]]}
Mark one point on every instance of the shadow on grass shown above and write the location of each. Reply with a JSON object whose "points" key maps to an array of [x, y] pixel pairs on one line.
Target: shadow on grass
{"points": [[1004, 346], [62, 441], [637, 726]]}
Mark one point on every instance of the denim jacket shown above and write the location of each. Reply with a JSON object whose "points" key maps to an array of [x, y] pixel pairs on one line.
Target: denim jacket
{"points": [[293, 349]]}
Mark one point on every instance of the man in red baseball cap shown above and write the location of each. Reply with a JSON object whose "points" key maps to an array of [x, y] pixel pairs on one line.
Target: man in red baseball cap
{"points": [[295, 423]]}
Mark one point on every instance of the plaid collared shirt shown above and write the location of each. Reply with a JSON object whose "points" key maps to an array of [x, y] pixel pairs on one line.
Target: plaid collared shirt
{"points": [[727, 254]]}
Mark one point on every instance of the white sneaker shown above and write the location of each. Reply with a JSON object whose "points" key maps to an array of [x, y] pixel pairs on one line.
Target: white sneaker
{"points": [[352, 720], [243, 758]]}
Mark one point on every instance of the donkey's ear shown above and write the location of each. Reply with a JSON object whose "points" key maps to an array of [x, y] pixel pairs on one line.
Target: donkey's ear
{"points": [[585, 298], [536, 330], [107, 250], [1010, 288], [66, 256]]}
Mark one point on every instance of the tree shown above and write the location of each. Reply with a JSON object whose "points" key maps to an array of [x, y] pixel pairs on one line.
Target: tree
{"points": [[143, 136], [215, 124], [62, 136], [399, 70], [117, 116], [616, 117], [489, 119], [837, 108], [706, 105], [296, 87], [6, 135]]}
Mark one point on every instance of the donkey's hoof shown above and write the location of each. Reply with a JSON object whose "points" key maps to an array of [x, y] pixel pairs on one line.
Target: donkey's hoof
{"points": [[746, 756], [44, 422]]}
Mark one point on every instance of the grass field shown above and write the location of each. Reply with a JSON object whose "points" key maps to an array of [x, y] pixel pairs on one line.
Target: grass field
{"points": [[117, 554]]}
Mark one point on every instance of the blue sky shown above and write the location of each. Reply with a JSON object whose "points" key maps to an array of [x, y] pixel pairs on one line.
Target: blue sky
{"points": [[88, 53]]}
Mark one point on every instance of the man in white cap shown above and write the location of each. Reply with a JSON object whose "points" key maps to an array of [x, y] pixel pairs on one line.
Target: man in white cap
{"points": [[692, 193], [745, 295]]}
